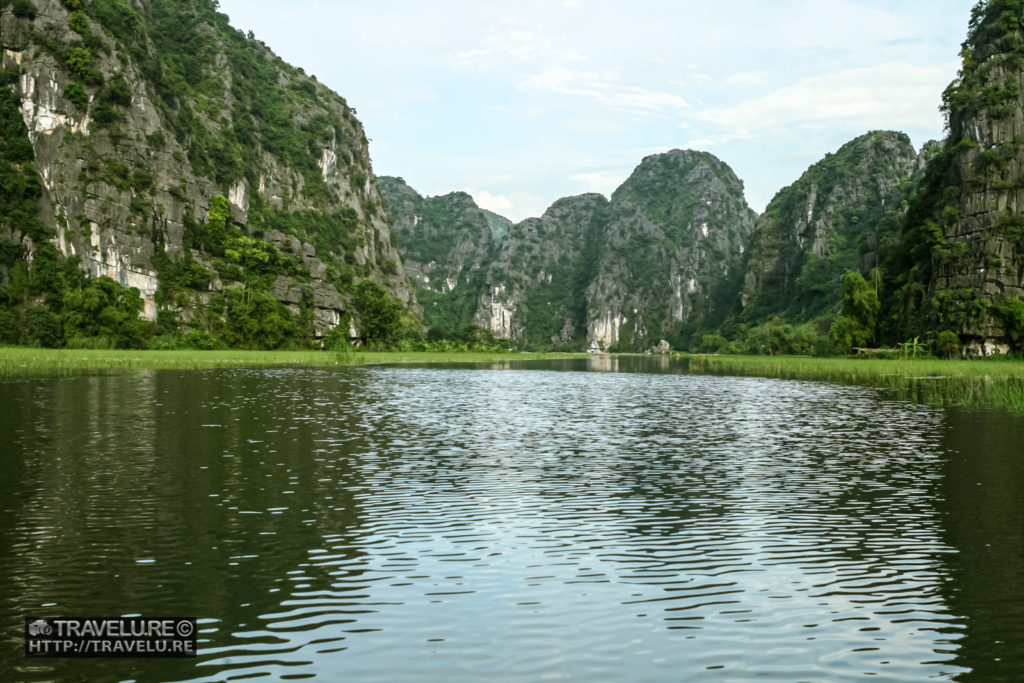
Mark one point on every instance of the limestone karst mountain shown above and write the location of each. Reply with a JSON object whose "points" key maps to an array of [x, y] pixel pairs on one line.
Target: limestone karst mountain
{"points": [[825, 223], [124, 122], [665, 252], [446, 244], [166, 176], [960, 264]]}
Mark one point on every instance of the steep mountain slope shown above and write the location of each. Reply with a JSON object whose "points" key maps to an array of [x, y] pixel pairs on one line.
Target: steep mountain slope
{"points": [[824, 224], [139, 116], [499, 226], [671, 256], [661, 255], [535, 288], [960, 266], [446, 244]]}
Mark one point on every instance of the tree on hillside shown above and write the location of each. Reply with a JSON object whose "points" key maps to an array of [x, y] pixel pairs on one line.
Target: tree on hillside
{"points": [[379, 313], [859, 320]]}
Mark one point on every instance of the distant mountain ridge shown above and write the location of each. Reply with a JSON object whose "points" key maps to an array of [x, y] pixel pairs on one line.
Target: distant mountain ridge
{"points": [[168, 180], [592, 272]]}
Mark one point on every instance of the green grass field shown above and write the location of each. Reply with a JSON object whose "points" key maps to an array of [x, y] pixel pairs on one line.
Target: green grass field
{"points": [[980, 383], [28, 361], [975, 384]]}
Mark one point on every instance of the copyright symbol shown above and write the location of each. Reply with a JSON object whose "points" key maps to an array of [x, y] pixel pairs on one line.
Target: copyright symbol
{"points": [[185, 629]]}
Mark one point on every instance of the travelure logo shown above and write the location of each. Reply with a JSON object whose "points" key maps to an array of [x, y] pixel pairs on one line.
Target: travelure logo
{"points": [[110, 637], [40, 627]]}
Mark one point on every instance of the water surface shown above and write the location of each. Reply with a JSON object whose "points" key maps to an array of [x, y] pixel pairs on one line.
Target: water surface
{"points": [[401, 524]]}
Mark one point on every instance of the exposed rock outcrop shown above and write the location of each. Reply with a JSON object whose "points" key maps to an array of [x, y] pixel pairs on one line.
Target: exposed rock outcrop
{"points": [[671, 253], [535, 288], [665, 252], [978, 184], [446, 244], [132, 136], [825, 223]]}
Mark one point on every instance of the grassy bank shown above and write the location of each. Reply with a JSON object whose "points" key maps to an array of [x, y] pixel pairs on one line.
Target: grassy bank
{"points": [[27, 361], [981, 383], [974, 384]]}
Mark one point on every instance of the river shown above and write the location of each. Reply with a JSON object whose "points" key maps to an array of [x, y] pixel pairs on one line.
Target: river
{"points": [[575, 520]]}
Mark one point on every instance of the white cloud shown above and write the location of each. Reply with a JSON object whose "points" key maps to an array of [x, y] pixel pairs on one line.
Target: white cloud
{"points": [[498, 203], [748, 78], [514, 205], [604, 182], [892, 95], [514, 42], [606, 89]]}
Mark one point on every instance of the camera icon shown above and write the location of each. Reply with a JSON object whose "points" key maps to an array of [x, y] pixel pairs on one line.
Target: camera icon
{"points": [[40, 627]]}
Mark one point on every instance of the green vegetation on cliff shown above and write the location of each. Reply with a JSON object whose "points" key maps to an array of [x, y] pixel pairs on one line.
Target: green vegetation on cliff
{"points": [[661, 257], [50, 303], [230, 199], [958, 265], [833, 219], [19, 182], [142, 119], [670, 262], [446, 243]]}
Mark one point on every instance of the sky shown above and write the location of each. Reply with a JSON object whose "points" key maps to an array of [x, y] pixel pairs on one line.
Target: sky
{"points": [[521, 103]]}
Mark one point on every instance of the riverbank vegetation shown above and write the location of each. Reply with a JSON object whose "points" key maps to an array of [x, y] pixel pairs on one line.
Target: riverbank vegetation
{"points": [[976, 384], [996, 383], [16, 361]]}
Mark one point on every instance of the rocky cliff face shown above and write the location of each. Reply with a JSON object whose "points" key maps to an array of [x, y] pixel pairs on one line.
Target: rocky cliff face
{"points": [[975, 229], [824, 224], [671, 251], [535, 289], [499, 226], [446, 244], [593, 273], [139, 113], [664, 253]]}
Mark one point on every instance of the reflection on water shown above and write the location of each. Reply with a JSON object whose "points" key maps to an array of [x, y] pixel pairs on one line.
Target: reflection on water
{"points": [[443, 524]]}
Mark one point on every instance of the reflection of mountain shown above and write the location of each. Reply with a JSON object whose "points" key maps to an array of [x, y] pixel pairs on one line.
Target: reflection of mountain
{"points": [[318, 520], [982, 498], [202, 494]]}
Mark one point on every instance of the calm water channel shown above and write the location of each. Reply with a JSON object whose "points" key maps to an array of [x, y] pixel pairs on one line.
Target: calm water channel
{"points": [[552, 521]]}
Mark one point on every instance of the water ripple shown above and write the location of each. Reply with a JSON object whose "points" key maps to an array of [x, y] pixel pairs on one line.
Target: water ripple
{"points": [[391, 524]]}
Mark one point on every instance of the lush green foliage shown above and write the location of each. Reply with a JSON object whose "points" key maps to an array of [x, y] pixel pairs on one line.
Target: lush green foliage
{"points": [[274, 108], [852, 195], [254, 320], [947, 344], [24, 9], [20, 189], [379, 313], [446, 314], [50, 302], [260, 261], [973, 383], [1011, 311], [772, 337], [858, 324], [336, 236], [73, 307], [996, 26], [994, 44], [76, 95], [449, 238]]}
